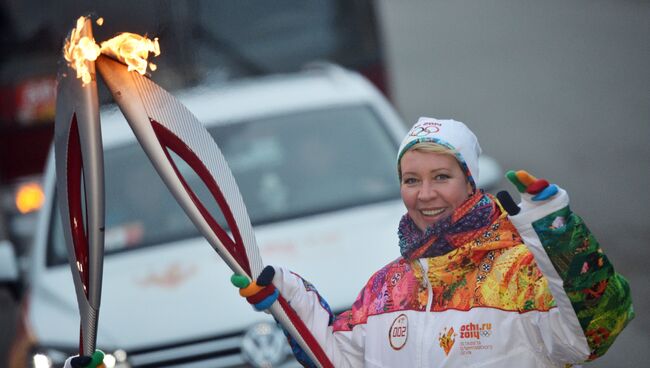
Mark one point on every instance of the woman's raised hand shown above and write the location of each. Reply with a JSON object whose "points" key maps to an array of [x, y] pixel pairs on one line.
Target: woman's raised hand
{"points": [[540, 189], [534, 191]]}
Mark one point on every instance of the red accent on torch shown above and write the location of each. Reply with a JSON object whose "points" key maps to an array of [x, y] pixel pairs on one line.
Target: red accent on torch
{"points": [[171, 141], [75, 167]]}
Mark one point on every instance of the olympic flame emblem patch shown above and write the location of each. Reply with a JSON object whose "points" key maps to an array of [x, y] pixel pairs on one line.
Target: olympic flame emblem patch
{"points": [[447, 338]]}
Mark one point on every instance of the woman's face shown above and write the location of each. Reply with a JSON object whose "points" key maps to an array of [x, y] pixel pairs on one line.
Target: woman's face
{"points": [[433, 186]]}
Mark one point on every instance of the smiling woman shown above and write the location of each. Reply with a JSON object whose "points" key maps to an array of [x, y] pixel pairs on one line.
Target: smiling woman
{"points": [[531, 289]]}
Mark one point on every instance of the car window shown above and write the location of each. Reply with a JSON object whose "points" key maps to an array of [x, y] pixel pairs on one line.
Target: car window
{"points": [[286, 166]]}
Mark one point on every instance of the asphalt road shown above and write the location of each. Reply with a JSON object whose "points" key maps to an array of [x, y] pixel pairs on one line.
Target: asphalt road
{"points": [[560, 88]]}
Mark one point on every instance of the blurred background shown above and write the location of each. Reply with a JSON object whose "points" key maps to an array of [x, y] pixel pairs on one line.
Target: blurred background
{"points": [[560, 88]]}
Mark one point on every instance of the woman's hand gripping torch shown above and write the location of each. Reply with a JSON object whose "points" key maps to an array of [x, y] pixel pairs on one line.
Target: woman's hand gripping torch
{"points": [[163, 125], [80, 178]]}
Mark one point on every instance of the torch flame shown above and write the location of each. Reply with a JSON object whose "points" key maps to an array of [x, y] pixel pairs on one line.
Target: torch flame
{"points": [[78, 49], [132, 50], [129, 48]]}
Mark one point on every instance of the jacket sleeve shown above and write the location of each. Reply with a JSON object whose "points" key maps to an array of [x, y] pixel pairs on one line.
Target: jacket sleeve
{"points": [[593, 302], [343, 348]]}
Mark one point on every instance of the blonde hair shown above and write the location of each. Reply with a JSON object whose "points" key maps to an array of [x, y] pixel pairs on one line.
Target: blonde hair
{"points": [[429, 147], [433, 147]]}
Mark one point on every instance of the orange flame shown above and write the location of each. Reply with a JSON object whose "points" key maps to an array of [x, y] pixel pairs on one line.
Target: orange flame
{"points": [[132, 50], [80, 48], [129, 48]]}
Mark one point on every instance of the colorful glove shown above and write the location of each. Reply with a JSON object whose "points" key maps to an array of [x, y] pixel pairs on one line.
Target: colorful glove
{"points": [[84, 361], [532, 189], [539, 188], [260, 293]]}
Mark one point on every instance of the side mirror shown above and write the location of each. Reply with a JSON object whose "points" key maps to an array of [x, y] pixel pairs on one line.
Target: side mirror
{"points": [[9, 276]]}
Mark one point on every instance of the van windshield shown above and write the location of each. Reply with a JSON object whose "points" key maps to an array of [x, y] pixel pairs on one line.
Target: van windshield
{"points": [[286, 167]]}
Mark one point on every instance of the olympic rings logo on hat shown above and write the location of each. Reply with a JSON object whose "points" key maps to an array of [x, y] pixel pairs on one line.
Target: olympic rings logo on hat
{"points": [[425, 129]]}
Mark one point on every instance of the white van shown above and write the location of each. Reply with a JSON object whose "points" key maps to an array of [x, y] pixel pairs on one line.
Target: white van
{"points": [[314, 157]]}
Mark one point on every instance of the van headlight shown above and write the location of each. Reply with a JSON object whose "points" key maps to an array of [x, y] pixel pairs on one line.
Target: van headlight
{"points": [[40, 360], [44, 357], [116, 359]]}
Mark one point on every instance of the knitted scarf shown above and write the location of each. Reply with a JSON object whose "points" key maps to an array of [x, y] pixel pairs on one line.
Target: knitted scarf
{"points": [[476, 213]]}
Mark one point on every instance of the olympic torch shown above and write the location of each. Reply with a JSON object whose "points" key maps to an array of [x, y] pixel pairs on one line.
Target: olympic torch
{"points": [[164, 126], [80, 177]]}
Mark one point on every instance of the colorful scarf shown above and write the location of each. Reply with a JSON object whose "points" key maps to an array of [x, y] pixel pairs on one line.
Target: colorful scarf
{"points": [[476, 213]]}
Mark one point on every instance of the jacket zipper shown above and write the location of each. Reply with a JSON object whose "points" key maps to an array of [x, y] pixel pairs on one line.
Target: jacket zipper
{"points": [[425, 269], [423, 344]]}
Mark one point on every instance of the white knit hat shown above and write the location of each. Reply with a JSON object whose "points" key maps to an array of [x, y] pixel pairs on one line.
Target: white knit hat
{"points": [[449, 133]]}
